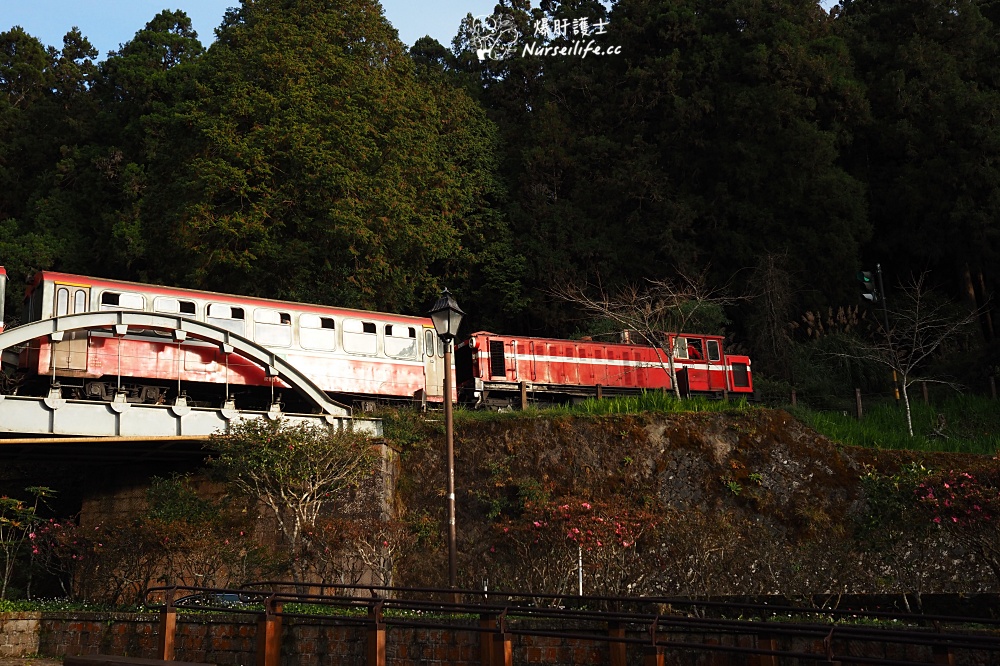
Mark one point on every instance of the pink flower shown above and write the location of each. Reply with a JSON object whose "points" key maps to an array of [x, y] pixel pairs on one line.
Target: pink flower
{"points": [[585, 505]]}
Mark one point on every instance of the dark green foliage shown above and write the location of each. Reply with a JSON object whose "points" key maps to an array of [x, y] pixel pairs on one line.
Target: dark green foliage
{"points": [[929, 152]]}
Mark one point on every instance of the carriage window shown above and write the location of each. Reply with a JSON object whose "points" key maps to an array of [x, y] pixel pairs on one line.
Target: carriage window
{"points": [[714, 351], [680, 348], [174, 306], [317, 332], [695, 350], [62, 301], [80, 301], [360, 337], [429, 342], [272, 327], [227, 317], [111, 300], [400, 341]]}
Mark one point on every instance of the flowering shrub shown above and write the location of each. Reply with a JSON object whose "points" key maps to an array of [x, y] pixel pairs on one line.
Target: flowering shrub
{"points": [[550, 538], [958, 498]]}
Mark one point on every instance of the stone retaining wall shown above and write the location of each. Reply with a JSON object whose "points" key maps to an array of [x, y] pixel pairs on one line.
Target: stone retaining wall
{"points": [[19, 634]]}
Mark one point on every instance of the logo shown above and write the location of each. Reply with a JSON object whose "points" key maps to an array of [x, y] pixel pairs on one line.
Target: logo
{"points": [[496, 37]]}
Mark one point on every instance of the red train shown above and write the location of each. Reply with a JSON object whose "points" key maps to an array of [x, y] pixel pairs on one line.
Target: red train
{"points": [[353, 355], [491, 368]]}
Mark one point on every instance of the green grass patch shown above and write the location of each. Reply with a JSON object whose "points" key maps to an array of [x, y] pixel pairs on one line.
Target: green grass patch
{"points": [[647, 401], [971, 424]]}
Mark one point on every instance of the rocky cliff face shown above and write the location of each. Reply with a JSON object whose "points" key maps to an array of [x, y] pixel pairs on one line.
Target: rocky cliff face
{"points": [[704, 503]]}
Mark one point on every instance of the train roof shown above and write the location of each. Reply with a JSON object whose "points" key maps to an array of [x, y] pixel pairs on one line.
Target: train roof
{"points": [[592, 342], [161, 290]]}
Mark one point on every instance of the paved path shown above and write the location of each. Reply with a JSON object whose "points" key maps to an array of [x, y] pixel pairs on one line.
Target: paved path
{"points": [[30, 661]]}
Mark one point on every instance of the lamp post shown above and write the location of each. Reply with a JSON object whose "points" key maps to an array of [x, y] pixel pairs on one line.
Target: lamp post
{"points": [[446, 316]]}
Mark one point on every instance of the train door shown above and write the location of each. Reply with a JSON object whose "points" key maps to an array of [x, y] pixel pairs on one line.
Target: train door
{"points": [[71, 352], [697, 367], [433, 364], [713, 355]]}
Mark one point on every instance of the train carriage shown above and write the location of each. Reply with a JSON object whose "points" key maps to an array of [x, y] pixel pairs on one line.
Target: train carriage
{"points": [[350, 354], [490, 368]]}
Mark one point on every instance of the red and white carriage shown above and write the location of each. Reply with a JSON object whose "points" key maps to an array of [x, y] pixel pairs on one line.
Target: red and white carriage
{"points": [[350, 354], [491, 368]]}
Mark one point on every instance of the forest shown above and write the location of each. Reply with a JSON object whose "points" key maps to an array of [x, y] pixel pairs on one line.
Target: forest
{"points": [[770, 147]]}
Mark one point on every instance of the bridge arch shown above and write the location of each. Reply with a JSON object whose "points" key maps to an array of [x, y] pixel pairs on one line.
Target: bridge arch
{"points": [[181, 328]]}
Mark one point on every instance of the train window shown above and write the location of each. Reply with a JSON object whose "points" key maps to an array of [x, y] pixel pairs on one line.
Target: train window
{"points": [[319, 333], [360, 337], [62, 301], [80, 301], [695, 349], [680, 348], [741, 376], [400, 341], [111, 300], [440, 347], [174, 306], [227, 317], [714, 351], [429, 342], [272, 327]]}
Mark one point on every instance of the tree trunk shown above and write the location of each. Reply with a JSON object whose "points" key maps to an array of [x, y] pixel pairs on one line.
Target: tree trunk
{"points": [[906, 401], [968, 290], [984, 299]]}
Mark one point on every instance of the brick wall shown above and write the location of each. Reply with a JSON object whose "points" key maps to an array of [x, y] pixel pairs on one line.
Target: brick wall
{"points": [[19, 634], [230, 640]]}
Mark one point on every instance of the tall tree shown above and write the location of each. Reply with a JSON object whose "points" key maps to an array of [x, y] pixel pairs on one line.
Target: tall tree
{"points": [[930, 154], [317, 166], [46, 114]]}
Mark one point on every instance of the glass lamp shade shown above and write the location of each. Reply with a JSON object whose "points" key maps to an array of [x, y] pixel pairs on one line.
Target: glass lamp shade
{"points": [[446, 316]]}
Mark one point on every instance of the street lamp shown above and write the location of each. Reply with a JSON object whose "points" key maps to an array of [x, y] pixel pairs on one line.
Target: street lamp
{"points": [[446, 316]]}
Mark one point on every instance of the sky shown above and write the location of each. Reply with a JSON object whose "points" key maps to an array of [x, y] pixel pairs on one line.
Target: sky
{"points": [[110, 23]]}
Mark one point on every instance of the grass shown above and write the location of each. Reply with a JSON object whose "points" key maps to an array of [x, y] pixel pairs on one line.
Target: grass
{"points": [[648, 401], [972, 425]]}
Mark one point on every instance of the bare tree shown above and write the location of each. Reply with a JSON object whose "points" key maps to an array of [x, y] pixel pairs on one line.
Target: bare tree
{"points": [[920, 325], [653, 311], [299, 472]]}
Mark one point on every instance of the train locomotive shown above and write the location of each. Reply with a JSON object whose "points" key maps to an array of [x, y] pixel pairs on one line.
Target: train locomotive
{"points": [[357, 357]]}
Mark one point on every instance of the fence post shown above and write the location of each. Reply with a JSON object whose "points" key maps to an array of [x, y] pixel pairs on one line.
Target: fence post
{"points": [[487, 626], [376, 635], [524, 395], [765, 642], [794, 402], [168, 628], [927, 398], [857, 401], [503, 647], [600, 392], [616, 649], [652, 656], [943, 655], [269, 634]]}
